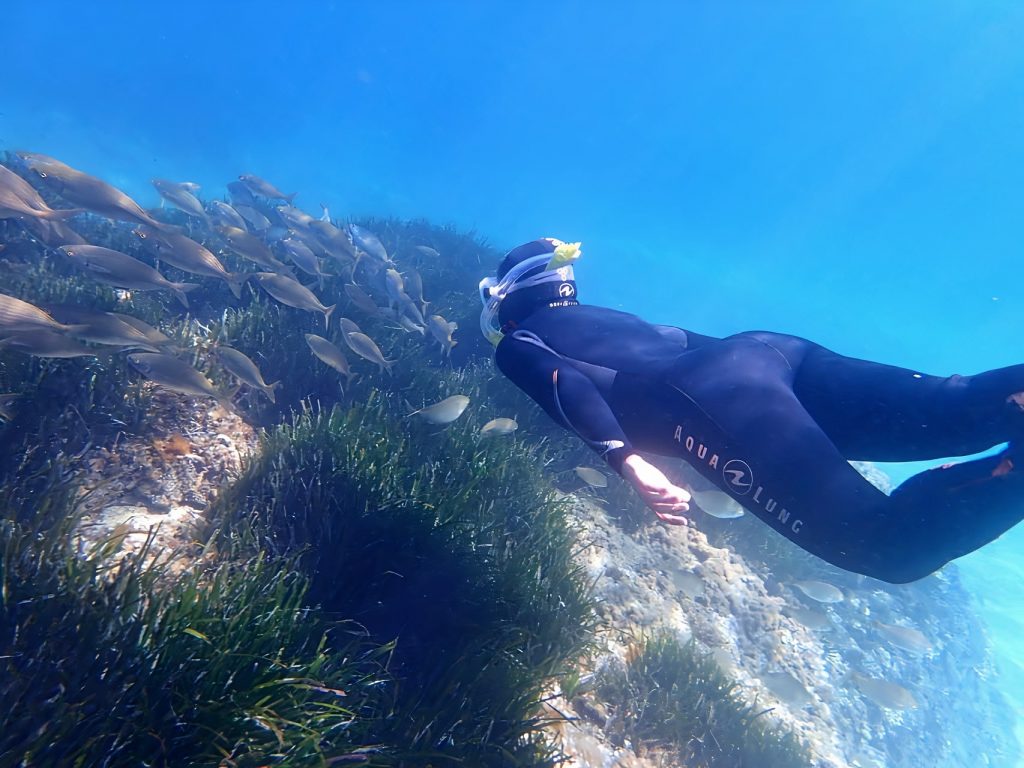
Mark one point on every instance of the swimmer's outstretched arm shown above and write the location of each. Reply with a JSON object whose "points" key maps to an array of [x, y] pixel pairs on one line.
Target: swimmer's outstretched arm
{"points": [[572, 400]]}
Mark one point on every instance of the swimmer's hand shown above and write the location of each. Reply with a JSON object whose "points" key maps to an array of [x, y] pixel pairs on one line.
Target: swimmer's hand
{"points": [[656, 490]]}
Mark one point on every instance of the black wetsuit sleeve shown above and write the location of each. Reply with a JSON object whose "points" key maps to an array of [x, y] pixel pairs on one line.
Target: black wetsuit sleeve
{"points": [[566, 394]]}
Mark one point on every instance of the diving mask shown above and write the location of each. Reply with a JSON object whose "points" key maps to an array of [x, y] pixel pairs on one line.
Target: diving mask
{"points": [[555, 267]]}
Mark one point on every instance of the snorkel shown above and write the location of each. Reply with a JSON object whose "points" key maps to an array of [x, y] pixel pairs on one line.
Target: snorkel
{"points": [[554, 268]]}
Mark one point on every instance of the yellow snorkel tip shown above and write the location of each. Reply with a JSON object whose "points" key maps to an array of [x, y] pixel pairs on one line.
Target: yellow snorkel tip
{"points": [[566, 253]]}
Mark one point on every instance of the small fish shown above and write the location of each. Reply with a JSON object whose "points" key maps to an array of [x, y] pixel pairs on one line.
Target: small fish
{"points": [[302, 257], [426, 250], [718, 504], [442, 332], [591, 477], [810, 618], [250, 247], [5, 405], [293, 293], [336, 241], [18, 315], [498, 427], [153, 335], [444, 412], [87, 191], [689, 583], [394, 284], [369, 243], [361, 299], [884, 693], [295, 218], [240, 194], [172, 373], [101, 327], [786, 688], [185, 253], [254, 219], [263, 187], [52, 231], [121, 270], [410, 326], [245, 370], [225, 215], [414, 287], [820, 591], [42, 342], [330, 354], [409, 309], [181, 197], [367, 349], [326, 215], [905, 638], [18, 198], [349, 326]]}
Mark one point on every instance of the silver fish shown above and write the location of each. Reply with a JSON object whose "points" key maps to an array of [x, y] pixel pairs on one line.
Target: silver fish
{"points": [[368, 242], [102, 327], [786, 688], [330, 354], [336, 241], [361, 299], [295, 218], [18, 198], [718, 504], [254, 219], [153, 335], [185, 253], [810, 618], [53, 232], [394, 284], [42, 342], [240, 194], [499, 426], [263, 187], [905, 638], [180, 197], [18, 315], [821, 591], [250, 247], [884, 693], [121, 270], [293, 293], [5, 402], [87, 191], [367, 349], [444, 412], [414, 287], [301, 256], [348, 326], [172, 373], [225, 215], [591, 477], [245, 370], [442, 332], [426, 250]]}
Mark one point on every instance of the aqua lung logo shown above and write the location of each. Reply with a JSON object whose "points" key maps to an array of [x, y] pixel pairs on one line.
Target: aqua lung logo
{"points": [[738, 476], [566, 291], [738, 479]]}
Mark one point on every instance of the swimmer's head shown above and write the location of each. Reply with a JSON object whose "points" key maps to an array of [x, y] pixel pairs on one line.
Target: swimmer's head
{"points": [[530, 276]]}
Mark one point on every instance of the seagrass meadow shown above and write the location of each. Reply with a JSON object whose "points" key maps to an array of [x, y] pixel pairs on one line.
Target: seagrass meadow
{"points": [[372, 589]]}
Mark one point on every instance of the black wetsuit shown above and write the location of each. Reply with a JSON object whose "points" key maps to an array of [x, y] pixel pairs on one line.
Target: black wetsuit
{"points": [[772, 420]]}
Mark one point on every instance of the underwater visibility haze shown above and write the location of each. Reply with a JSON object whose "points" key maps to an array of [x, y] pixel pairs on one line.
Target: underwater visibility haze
{"points": [[265, 498]]}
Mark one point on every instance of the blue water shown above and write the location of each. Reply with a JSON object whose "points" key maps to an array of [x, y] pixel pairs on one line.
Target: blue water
{"points": [[846, 172]]}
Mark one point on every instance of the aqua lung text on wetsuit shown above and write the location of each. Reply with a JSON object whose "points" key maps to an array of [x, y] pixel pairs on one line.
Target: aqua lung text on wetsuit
{"points": [[738, 478]]}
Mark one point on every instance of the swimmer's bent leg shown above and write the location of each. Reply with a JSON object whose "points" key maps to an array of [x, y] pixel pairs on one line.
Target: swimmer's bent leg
{"points": [[766, 451]]}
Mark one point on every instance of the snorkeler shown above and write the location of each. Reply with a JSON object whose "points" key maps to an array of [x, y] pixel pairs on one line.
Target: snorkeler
{"points": [[772, 420]]}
